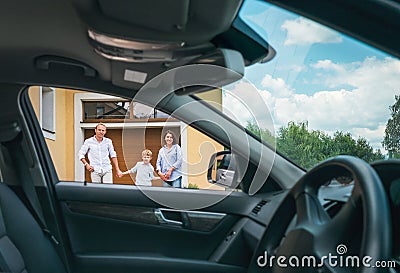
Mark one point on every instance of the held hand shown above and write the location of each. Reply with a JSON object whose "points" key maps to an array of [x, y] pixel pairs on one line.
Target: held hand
{"points": [[168, 174], [162, 176], [119, 173]]}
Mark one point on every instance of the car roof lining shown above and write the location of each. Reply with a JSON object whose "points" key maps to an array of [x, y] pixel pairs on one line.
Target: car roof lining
{"points": [[191, 21], [23, 47]]}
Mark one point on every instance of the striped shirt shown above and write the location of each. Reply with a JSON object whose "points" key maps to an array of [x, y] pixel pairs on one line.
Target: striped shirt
{"points": [[170, 158]]}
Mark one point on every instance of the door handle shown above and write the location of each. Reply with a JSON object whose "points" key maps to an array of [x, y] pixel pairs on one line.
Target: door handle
{"points": [[164, 220]]}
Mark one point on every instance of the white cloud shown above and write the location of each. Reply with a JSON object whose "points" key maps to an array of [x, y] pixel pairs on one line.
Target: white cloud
{"points": [[297, 68], [362, 110], [302, 31], [329, 110], [372, 74], [328, 65], [244, 103], [277, 86], [374, 136]]}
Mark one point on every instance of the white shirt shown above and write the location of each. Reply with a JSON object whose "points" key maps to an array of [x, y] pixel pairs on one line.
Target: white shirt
{"points": [[145, 173], [99, 153]]}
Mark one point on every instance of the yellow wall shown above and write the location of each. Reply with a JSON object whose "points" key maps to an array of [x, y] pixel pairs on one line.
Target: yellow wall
{"points": [[61, 148], [213, 96], [200, 147], [35, 99]]}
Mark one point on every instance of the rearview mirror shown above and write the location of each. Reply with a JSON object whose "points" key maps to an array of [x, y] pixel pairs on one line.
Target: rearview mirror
{"points": [[222, 169], [210, 71]]}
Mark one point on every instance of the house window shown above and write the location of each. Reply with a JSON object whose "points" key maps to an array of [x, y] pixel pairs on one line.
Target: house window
{"points": [[118, 110], [48, 111], [100, 111], [142, 111], [95, 110]]}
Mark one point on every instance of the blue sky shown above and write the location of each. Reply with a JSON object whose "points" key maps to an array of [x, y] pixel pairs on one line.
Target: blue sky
{"points": [[319, 76], [337, 48]]}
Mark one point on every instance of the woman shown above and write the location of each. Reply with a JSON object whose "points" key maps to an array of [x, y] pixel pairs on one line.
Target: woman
{"points": [[169, 162]]}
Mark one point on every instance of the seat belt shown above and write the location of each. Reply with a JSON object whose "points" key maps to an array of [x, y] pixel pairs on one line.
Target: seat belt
{"points": [[32, 204]]}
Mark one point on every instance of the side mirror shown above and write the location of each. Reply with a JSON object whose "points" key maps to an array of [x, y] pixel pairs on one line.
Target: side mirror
{"points": [[221, 170]]}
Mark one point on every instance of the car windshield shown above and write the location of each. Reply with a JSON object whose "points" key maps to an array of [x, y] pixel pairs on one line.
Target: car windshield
{"points": [[322, 95]]}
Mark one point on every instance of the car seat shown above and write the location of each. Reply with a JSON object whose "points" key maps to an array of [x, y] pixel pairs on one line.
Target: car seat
{"points": [[24, 247]]}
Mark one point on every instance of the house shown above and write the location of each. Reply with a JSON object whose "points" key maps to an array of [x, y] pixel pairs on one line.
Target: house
{"points": [[68, 117]]}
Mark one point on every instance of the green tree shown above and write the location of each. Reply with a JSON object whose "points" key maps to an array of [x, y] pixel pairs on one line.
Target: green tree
{"points": [[391, 141], [308, 147], [264, 134], [365, 151], [343, 144], [304, 147]]}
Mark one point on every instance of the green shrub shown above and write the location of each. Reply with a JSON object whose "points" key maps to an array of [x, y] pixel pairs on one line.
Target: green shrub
{"points": [[193, 186]]}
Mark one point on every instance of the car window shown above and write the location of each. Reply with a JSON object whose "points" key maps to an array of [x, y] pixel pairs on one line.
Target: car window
{"points": [[326, 93], [69, 117]]}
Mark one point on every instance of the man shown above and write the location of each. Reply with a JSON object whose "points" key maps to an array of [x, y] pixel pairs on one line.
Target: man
{"points": [[99, 150]]}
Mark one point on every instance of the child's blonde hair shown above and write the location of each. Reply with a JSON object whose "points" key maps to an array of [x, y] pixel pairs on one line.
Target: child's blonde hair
{"points": [[147, 152]]}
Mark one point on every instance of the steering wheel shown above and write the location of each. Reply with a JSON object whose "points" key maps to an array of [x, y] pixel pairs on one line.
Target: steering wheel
{"points": [[301, 231]]}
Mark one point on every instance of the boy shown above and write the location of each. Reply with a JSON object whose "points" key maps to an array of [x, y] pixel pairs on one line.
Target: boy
{"points": [[143, 169]]}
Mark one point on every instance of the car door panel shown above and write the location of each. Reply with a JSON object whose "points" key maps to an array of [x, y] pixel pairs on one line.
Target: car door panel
{"points": [[136, 263], [114, 227]]}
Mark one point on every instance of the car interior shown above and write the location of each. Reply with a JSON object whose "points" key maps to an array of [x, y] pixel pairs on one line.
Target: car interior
{"points": [[166, 54]]}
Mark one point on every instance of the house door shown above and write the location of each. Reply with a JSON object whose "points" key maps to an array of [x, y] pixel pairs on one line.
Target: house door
{"points": [[129, 149]]}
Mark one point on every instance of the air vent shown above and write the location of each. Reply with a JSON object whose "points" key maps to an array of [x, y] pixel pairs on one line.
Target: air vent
{"points": [[332, 207], [259, 206]]}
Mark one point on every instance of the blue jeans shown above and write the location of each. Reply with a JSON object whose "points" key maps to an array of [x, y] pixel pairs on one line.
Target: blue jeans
{"points": [[177, 183]]}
